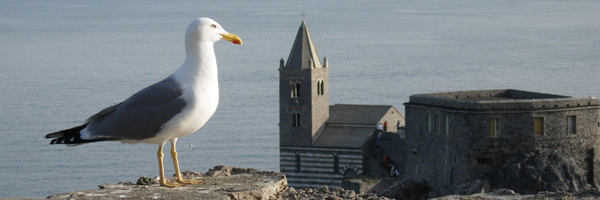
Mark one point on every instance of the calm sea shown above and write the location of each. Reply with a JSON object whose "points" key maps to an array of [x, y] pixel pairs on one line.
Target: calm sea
{"points": [[62, 61]]}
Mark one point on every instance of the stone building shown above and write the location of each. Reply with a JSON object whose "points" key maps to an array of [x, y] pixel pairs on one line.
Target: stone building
{"points": [[321, 143], [458, 137]]}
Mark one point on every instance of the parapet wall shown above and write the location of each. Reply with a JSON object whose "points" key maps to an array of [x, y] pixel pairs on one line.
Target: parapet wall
{"points": [[508, 100]]}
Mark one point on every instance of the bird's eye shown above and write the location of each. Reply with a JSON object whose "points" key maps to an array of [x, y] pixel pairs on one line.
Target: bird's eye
{"points": [[213, 26]]}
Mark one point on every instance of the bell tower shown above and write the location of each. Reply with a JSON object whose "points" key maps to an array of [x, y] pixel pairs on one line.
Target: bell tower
{"points": [[303, 93]]}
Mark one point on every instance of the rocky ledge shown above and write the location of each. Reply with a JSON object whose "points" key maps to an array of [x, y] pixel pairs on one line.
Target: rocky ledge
{"points": [[506, 194], [220, 183]]}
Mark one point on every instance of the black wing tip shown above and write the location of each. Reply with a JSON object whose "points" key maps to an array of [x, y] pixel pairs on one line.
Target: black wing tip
{"points": [[68, 139], [74, 140], [72, 137], [67, 136], [54, 135]]}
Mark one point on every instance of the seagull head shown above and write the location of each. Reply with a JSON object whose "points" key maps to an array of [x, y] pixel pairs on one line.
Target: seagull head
{"points": [[208, 30]]}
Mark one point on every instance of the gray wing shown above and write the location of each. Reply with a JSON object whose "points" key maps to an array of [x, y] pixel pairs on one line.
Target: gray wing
{"points": [[142, 115]]}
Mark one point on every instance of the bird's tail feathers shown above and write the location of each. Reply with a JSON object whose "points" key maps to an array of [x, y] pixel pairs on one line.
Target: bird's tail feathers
{"points": [[71, 137]]}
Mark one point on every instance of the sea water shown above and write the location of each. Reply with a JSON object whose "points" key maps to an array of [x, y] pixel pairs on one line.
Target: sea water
{"points": [[62, 61]]}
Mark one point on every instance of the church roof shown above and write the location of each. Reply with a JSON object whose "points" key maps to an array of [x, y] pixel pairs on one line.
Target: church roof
{"points": [[349, 125], [343, 136], [357, 114], [303, 51]]}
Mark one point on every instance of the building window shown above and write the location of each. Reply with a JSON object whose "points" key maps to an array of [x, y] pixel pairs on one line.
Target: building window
{"points": [[447, 125], [295, 90], [571, 125], [437, 124], [483, 161], [495, 127], [428, 122], [538, 126], [320, 87], [295, 119]]}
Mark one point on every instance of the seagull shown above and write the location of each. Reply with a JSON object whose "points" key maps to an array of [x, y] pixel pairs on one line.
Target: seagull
{"points": [[164, 111]]}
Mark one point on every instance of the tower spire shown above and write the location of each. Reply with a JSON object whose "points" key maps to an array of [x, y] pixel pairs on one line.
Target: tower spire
{"points": [[303, 51]]}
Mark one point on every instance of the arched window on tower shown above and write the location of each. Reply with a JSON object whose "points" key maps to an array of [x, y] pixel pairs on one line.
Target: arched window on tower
{"points": [[293, 90], [297, 89], [318, 87], [322, 89], [295, 119]]}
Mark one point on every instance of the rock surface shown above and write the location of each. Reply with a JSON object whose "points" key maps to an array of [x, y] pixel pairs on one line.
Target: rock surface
{"points": [[533, 172], [506, 194], [221, 182], [324, 193], [406, 189], [226, 182]]}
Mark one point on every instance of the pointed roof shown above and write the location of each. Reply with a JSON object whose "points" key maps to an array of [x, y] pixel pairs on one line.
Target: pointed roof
{"points": [[303, 51]]}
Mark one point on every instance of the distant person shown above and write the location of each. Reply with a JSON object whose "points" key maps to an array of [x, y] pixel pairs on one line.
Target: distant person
{"points": [[385, 124], [378, 137], [398, 125], [386, 161], [379, 128]]}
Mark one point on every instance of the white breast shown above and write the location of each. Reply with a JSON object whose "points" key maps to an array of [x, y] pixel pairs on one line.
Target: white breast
{"points": [[202, 99]]}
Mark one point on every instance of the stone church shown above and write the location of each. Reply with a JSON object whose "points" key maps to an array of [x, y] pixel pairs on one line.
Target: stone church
{"points": [[450, 138], [321, 143]]}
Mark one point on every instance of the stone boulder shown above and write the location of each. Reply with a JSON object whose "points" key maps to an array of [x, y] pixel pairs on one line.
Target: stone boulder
{"points": [[531, 173]]}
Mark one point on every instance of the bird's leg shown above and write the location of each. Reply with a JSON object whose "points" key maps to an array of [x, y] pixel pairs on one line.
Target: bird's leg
{"points": [[161, 171], [176, 165]]}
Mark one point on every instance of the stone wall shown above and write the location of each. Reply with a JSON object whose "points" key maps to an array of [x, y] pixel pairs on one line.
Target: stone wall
{"points": [[392, 117], [290, 135], [501, 100], [319, 103], [313, 108]]}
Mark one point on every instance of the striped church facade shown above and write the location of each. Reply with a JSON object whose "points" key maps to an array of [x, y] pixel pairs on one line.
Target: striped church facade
{"points": [[314, 167]]}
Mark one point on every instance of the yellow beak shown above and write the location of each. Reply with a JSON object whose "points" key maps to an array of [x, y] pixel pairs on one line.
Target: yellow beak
{"points": [[232, 38]]}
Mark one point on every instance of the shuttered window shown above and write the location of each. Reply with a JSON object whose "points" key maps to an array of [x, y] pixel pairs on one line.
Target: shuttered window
{"points": [[571, 125], [428, 122], [538, 126], [495, 127], [437, 124]]}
